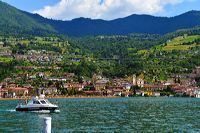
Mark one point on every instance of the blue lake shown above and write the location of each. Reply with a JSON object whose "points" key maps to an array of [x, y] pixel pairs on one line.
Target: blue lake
{"points": [[107, 115]]}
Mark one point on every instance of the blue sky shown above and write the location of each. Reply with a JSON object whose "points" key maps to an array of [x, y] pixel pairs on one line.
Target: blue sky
{"points": [[30, 5], [104, 9], [181, 8]]}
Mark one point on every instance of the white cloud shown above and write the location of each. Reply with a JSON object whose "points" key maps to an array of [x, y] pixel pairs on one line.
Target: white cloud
{"points": [[104, 9]]}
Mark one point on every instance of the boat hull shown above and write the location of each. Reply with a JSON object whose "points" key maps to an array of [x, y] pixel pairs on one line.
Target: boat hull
{"points": [[36, 109]]}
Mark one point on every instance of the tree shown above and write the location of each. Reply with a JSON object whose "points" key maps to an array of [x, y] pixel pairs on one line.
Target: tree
{"points": [[197, 79], [60, 87]]}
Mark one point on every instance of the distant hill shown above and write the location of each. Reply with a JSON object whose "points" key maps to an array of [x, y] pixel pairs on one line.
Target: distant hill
{"points": [[17, 21]]}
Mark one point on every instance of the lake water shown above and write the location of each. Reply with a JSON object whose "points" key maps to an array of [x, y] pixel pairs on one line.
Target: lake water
{"points": [[108, 115]]}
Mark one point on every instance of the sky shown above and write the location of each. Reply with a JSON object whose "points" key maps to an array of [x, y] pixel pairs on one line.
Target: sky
{"points": [[104, 9]]}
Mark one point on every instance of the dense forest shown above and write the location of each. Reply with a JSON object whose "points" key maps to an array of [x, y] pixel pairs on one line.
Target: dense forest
{"points": [[158, 57]]}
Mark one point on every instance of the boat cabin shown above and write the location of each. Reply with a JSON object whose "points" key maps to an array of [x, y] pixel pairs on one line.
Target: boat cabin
{"points": [[38, 101]]}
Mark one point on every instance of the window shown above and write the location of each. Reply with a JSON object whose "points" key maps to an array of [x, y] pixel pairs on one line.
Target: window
{"points": [[43, 102], [36, 102]]}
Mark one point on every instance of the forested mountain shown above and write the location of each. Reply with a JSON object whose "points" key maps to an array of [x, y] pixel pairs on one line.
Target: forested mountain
{"points": [[115, 46], [131, 24], [15, 21]]}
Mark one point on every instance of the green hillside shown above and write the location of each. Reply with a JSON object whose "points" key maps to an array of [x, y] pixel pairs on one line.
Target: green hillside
{"points": [[111, 56], [15, 21], [181, 43], [176, 56]]}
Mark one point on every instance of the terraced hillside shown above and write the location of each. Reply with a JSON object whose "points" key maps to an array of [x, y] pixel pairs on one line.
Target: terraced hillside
{"points": [[177, 56], [182, 43]]}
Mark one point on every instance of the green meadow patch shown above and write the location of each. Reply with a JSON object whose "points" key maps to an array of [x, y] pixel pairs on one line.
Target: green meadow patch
{"points": [[178, 47], [181, 43], [6, 59]]}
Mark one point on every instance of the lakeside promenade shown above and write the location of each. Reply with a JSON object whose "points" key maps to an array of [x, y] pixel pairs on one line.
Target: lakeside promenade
{"points": [[59, 97]]}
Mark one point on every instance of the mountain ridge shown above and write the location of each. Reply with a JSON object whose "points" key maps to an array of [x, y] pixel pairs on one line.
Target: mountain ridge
{"points": [[16, 21]]}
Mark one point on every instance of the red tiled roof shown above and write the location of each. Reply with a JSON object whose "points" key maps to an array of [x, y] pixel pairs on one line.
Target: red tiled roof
{"points": [[93, 92], [117, 90], [153, 86], [116, 87], [19, 89], [2, 90], [180, 87]]}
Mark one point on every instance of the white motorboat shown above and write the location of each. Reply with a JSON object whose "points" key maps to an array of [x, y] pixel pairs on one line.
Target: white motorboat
{"points": [[37, 104]]}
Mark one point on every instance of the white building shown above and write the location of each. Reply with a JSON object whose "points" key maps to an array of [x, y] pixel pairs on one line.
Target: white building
{"points": [[197, 93]]}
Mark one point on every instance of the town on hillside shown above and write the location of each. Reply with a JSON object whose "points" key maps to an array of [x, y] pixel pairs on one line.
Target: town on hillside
{"points": [[26, 84], [51, 66]]}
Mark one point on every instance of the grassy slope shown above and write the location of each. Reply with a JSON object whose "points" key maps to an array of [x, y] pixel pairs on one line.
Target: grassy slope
{"points": [[178, 43]]}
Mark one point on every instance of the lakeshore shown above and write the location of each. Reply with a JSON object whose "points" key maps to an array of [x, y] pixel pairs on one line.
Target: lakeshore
{"points": [[86, 97], [60, 97]]}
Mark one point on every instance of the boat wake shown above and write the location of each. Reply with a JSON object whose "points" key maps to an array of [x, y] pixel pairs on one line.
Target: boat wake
{"points": [[7, 110], [11, 110], [57, 111]]}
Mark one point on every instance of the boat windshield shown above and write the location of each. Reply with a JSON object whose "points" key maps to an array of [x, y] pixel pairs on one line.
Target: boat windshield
{"points": [[36, 102], [43, 102]]}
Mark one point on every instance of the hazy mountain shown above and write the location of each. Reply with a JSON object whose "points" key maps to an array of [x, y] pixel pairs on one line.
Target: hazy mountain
{"points": [[13, 20]]}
